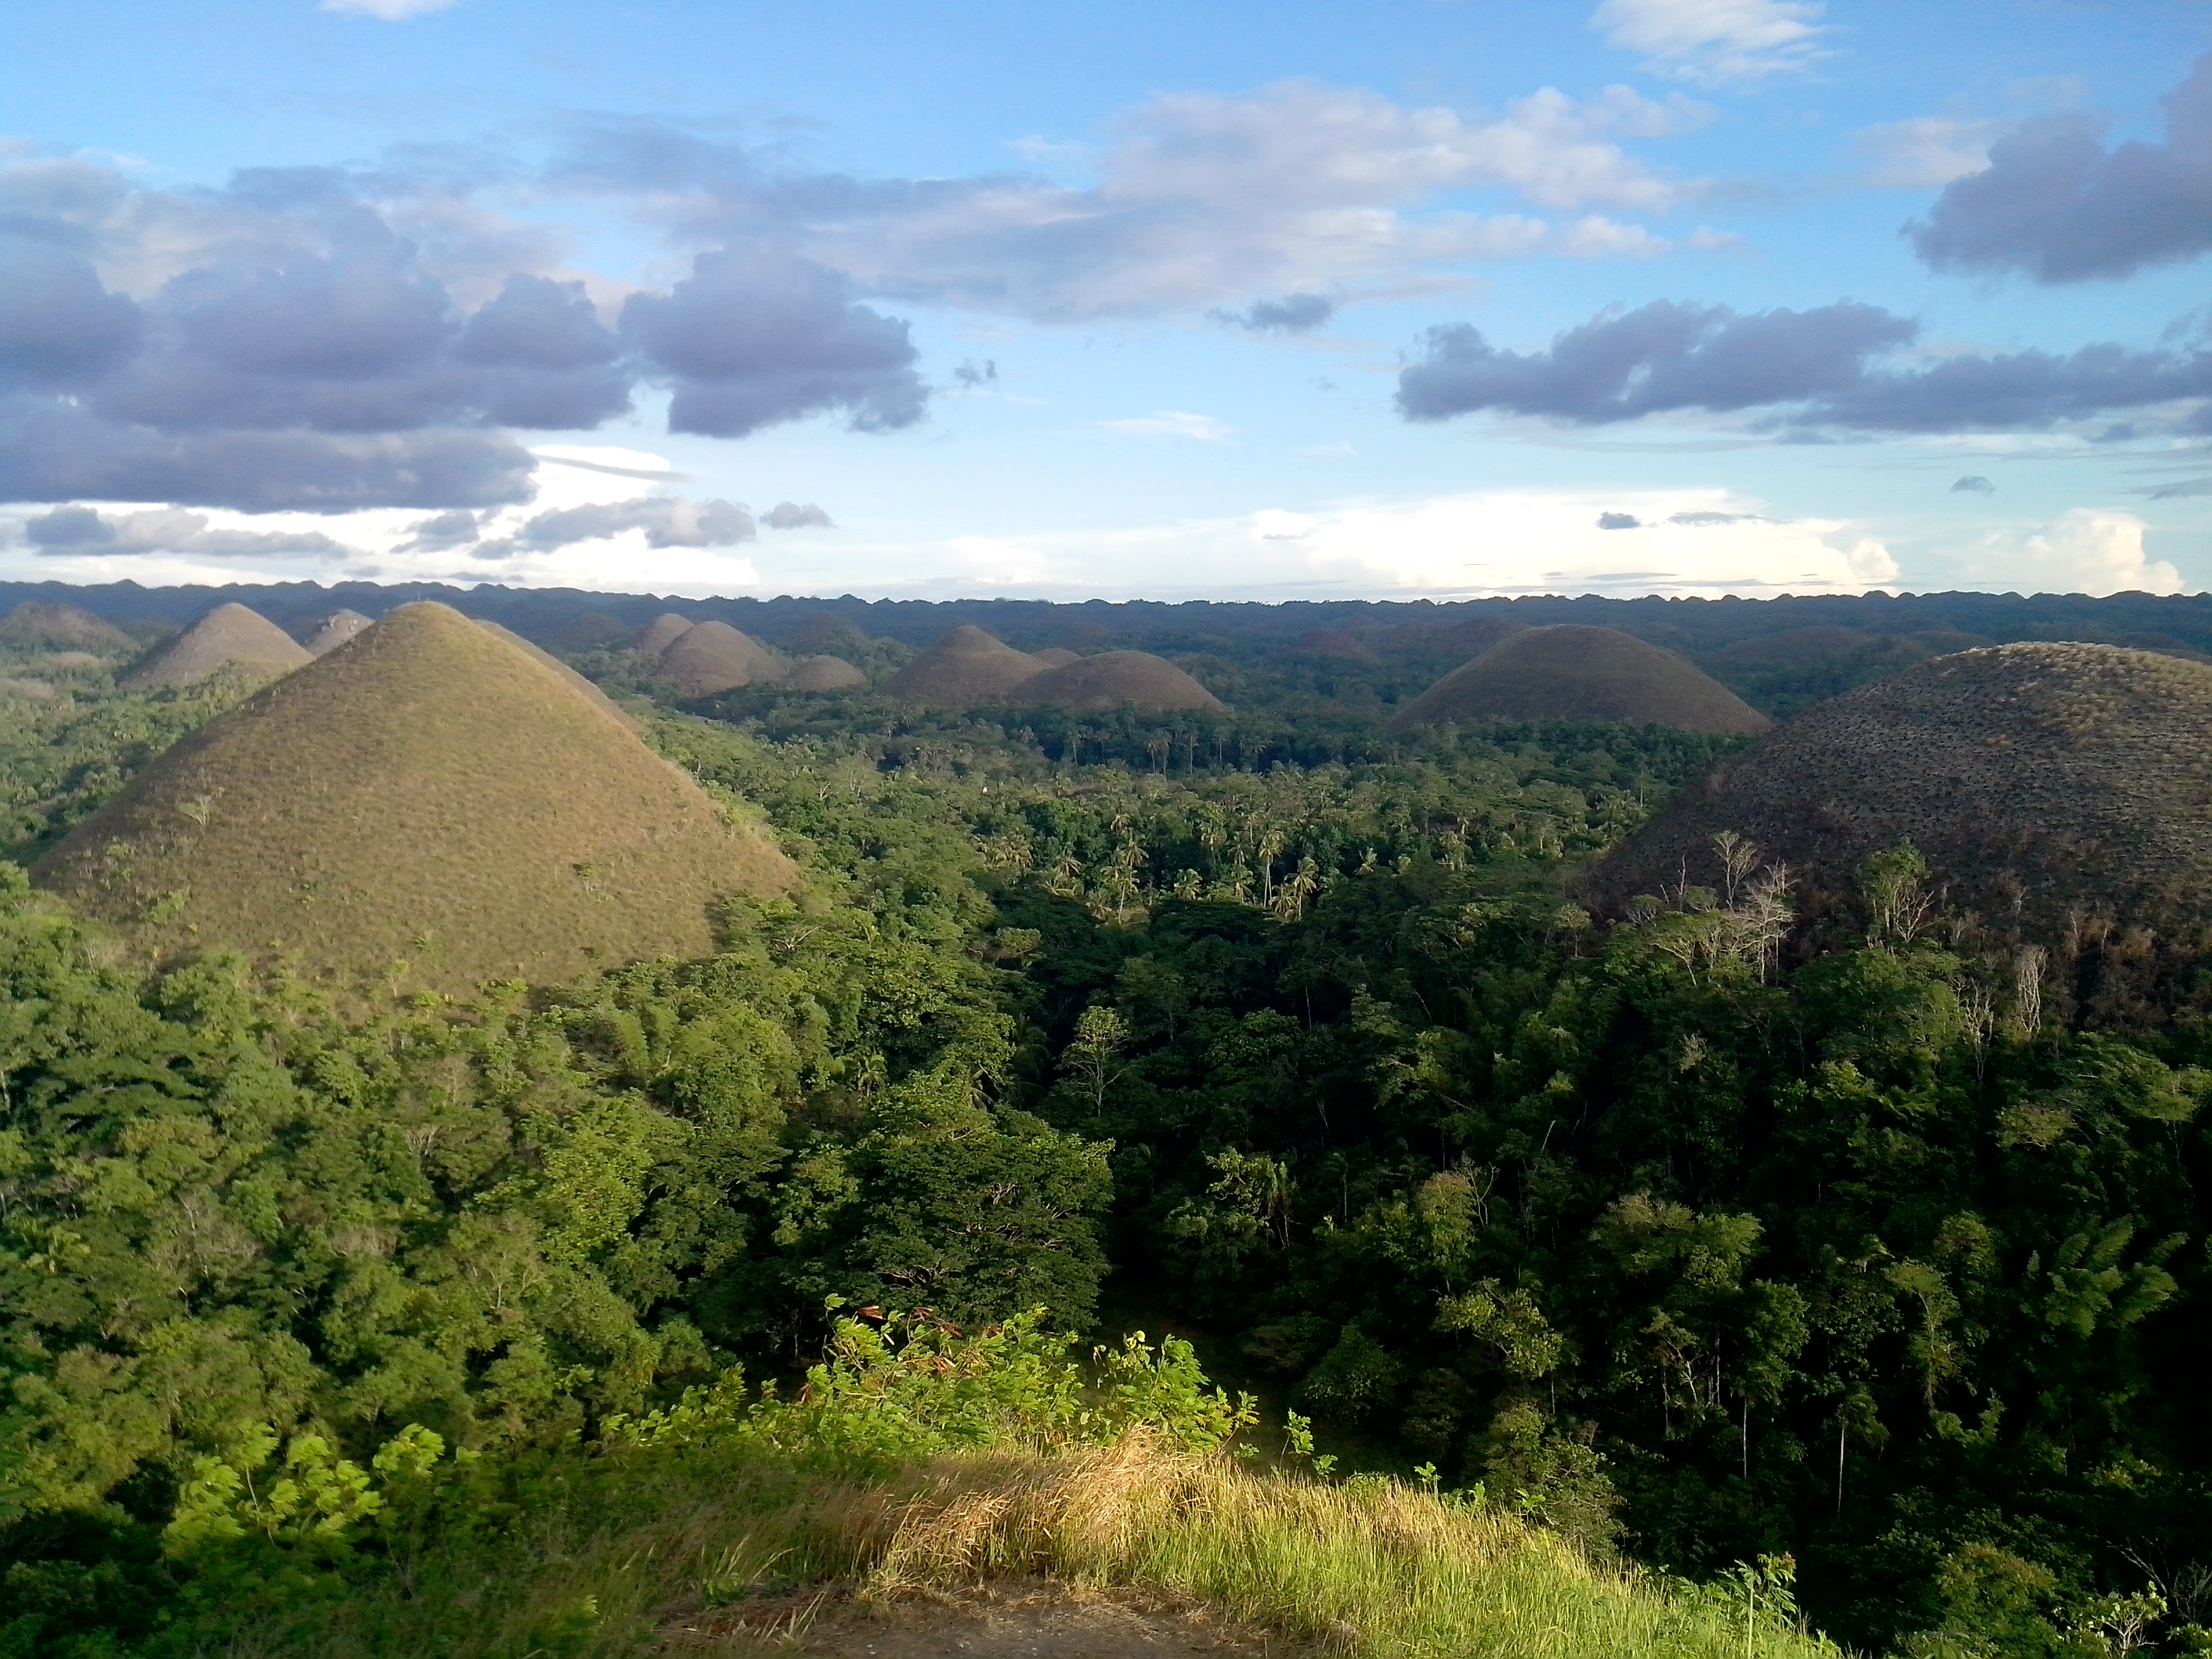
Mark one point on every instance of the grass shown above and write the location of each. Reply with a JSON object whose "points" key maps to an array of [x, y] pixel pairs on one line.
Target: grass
{"points": [[1372, 1567], [1148, 684], [967, 665], [425, 794], [1570, 673]]}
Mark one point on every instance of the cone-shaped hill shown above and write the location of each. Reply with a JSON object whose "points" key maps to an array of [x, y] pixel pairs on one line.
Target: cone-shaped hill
{"points": [[1113, 679], [583, 688], [824, 674], [966, 666], [1055, 656], [230, 636], [663, 631], [2035, 779], [333, 631], [426, 792], [1571, 673], [62, 627], [714, 657]]}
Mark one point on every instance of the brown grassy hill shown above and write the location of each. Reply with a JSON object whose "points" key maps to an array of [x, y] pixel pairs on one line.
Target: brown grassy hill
{"points": [[230, 636], [62, 627], [1336, 643], [663, 631], [823, 634], [966, 666], [1054, 656], [2034, 778], [1793, 645], [426, 792], [714, 657], [583, 687], [824, 674], [1570, 673], [1115, 679], [333, 631], [594, 630]]}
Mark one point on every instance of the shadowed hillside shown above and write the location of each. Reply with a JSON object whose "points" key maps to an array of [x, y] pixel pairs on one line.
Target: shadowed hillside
{"points": [[1570, 672], [1114, 680], [334, 630], [426, 792], [230, 636], [966, 666], [714, 657], [663, 631], [2036, 780], [62, 627]]}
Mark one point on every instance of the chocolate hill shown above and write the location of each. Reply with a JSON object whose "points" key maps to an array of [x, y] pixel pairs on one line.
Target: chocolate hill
{"points": [[1116, 679], [62, 627], [966, 666], [334, 630], [1053, 656], [824, 674], [228, 637], [714, 657], [428, 794], [1572, 673], [663, 631], [583, 687], [2035, 779]]}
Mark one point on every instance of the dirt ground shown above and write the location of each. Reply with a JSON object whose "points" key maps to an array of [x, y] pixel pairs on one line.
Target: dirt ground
{"points": [[1031, 1619]]}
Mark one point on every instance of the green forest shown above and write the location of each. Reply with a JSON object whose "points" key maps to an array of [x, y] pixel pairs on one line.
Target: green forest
{"points": [[1859, 1256]]}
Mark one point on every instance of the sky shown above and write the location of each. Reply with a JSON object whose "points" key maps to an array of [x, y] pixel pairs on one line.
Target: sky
{"points": [[1310, 300]]}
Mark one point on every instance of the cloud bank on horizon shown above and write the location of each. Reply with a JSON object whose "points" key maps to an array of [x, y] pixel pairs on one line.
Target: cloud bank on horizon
{"points": [[449, 360]]}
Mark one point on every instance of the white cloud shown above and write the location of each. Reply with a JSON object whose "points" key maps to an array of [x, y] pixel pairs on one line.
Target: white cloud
{"points": [[1928, 151], [1715, 41], [2085, 550], [392, 11], [1173, 423]]}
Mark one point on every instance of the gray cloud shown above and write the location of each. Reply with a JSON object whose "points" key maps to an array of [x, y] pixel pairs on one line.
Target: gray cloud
{"points": [[751, 339], [1976, 485], [75, 529], [1810, 369], [1619, 521], [2056, 203], [2185, 486], [454, 529], [790, 515], [1661, 357], [667, 520], [1703, 518], [1294, 313]]}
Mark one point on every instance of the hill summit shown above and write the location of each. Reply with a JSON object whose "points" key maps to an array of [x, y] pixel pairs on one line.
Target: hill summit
{"points": [[967, 665], [62, 627], [714, 657], [1571, 673], [334, 630], [228, 636], [427, 792], [2036, 780], [1113, 678]]}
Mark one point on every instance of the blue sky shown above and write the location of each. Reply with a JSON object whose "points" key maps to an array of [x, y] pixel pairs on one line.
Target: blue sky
{"points": [[1297, 301]]}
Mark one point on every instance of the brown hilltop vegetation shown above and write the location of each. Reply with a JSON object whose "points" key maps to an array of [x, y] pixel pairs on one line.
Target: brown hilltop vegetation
{"points": [[967, 665], [663, 631], [583, 687], [228, 637], [36, 623], [1572, 673], [714, 657], [1053, 656], [1116, 679], [2036, 780], [427, 792], [824, 674], [333, 631]]}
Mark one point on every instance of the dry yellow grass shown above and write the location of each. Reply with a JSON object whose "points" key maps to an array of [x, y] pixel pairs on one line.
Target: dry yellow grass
{"points": [[334, 630], [229, 637], [1116, 679], [714, 657], [426, 793], [1570, 673], [824, 674], [36, 623], [966, 666], [663, 631]]}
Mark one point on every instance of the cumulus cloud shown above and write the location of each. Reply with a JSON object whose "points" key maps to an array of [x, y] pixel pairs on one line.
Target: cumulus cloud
{"points": [[1715, 41], [2085, 550], [2056, 203], [1294, 313], [1202, 200], [1809, 369], [1927, 151], [1619, 521], [78, 528], [790, 515], [1975, 485]]}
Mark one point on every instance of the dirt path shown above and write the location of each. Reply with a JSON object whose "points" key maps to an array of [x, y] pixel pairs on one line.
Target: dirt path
{"points": [[1033, 1619]]}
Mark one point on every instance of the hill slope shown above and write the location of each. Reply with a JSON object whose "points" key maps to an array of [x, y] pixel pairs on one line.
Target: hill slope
{"points": [[824, 674], [663, 631], [714, 657], [1114, 678], [334, 630], [966, 666], [2033, 778], [228, 636], [35, 622], [1570, 673], [427, 792]]}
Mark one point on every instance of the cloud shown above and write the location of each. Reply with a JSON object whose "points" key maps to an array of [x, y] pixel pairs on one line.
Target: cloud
{"points": [[1202, 200], [1927, 151], [2183, 487], [1294, 313], [2085, 550], [667, 521], [1715, 41], [1664, 355], [2054, 203], [1173, 423], [392, 11], [1976, 485], [1619, 521], [790, 515], [75, 529], [1810, 370]]}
